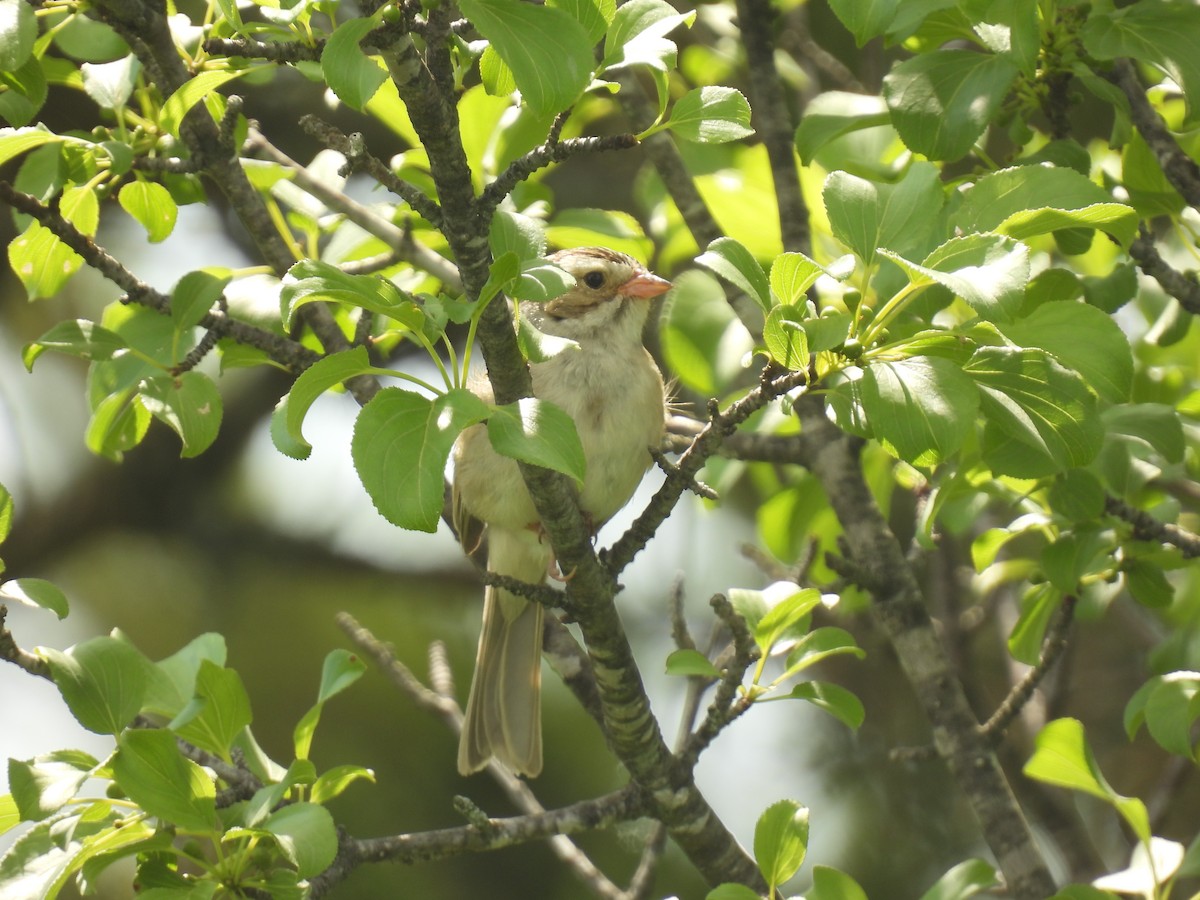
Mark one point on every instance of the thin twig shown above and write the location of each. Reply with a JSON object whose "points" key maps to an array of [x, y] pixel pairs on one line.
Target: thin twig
{"points": [[1181, 170], [703, 445], [1182, 287], [1053, 646], [15, 654], [288, 353], [551, 151], [442, 704], [1148, 528]]}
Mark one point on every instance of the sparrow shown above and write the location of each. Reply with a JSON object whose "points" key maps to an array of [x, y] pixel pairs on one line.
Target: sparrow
{"points": [[613, 391]]}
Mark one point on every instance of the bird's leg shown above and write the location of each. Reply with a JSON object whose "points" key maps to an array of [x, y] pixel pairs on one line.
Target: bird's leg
{"points": [[552, 570]]}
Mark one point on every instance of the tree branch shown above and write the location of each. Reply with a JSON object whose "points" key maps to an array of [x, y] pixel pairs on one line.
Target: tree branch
{"points": [[757, 23], [1148, 528], [1181, 170], [495, 834], [288, 353], [1175, 283], [13, 653], [880, 566]]}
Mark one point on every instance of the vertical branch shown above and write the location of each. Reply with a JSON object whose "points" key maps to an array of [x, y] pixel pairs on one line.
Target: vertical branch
{"points": [[880, 565], [773, 120]]}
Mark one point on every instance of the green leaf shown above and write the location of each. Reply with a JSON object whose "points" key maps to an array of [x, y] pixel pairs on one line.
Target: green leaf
{"points": [[988, 271], [340, 670], [18, 31], [966, 879], [1042, 417], [400, 446], [818, 645], [1064, 758], [42, 262], [152, 772], [1078, 495], [785, 618], [537, 432], [828, 331], [43, 859], [833, 699], [781, 841], [732, 891], [711, 115], [703, 341], [1073, 555], [1148, 584], [867, 215], [189, 404], [349, 72], [1153, 430], [118, 423], [102, 680], [111, 83], [1155, 32], [194, 295], [1038, 605], [691, 662], [317, 280], [35, 592], [6, 514], [511, 232], [1001, 196], [26, 91], [314, 381], [540, 281], [785, 337], [9, 817], [792, 274], [832, 114], [192, 92], [733, 262], [537, 346], [921, 409], [637, 31], [548, 51], [15, 141], [222, 710], [1082, 338], [830, 884], [865, 20], [173, 684], [43, 785], [334, 782], [1117, 219], [594, 15], [77, 337], [1169, 705], [942, 101], [307, 836]]}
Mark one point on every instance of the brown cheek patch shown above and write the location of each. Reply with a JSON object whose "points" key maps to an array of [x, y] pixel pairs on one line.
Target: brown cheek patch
{"points": [[564, 309]]}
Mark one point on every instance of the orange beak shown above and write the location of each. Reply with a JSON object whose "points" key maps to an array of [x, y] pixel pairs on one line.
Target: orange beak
{"points": [[645, 285]]}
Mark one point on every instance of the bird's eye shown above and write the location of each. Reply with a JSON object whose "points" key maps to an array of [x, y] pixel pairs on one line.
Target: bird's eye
{"points": [[594, 279]]}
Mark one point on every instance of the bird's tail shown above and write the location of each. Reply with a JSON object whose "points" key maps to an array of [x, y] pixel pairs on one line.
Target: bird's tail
{"points": [[503, 715]]}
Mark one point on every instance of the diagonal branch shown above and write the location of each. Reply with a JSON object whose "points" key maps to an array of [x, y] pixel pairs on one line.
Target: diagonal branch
{"points": [[880, 566], [1181, 170], [1148, 528], [291, 354]]}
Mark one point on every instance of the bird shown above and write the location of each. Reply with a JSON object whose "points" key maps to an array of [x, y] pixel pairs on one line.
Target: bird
{"points": [[612, 389]]}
